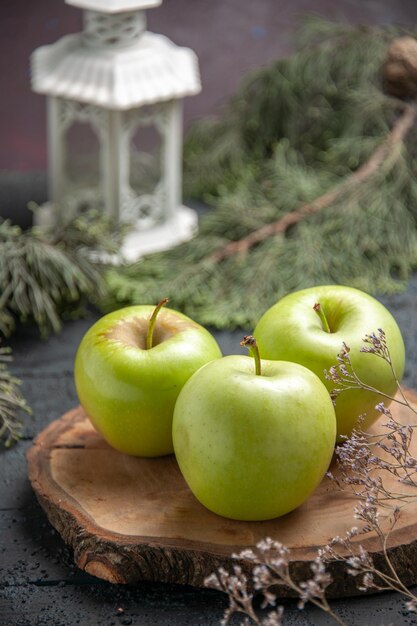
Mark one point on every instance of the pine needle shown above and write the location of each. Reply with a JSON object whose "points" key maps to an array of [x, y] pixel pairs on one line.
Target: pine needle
{"points": [[12, 403], [50, 273]]}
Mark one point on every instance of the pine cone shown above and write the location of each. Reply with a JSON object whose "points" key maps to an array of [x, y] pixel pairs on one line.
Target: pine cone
{"points": [[400, 68]]}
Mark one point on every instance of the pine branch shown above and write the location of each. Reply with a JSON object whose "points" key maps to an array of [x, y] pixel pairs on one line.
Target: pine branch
{"points": [[311, 132], [12, 403], [50, 273], [383, 152]]}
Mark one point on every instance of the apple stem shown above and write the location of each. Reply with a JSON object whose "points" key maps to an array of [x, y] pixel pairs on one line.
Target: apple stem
{"points": [[250, 343], [149, 336], [323, 319]]}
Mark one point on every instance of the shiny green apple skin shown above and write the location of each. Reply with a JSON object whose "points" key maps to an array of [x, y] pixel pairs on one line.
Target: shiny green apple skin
{"points": [[253, 447], [129, 392], [293, 331]]}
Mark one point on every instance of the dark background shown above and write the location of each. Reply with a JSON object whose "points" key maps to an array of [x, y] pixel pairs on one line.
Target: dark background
{"points": [[229, 37]]}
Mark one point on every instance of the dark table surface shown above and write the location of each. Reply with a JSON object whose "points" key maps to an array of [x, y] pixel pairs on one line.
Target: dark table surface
{"points": [[39, 585]]}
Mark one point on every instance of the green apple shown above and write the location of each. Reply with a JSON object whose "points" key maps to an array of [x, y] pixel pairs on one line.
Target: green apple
{"points": [[253, 444], [295, 329], [129, 370]]}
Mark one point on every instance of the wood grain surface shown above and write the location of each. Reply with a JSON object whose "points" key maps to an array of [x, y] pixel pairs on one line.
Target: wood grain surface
{"points": [[129, 519]]}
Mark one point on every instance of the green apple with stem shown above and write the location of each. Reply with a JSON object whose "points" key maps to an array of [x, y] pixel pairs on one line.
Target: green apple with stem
{"points": [[129, 369], [253, 438], [310, 326]]}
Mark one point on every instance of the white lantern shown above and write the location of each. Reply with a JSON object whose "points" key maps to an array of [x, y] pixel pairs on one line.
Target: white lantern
{"points": [[118, 77]]}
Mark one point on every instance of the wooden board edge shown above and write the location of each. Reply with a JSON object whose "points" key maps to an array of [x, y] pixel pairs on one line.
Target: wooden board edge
{"points": [[129, 559]]}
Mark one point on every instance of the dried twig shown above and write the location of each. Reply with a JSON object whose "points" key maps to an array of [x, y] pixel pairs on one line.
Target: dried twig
{"points": [[382, 153]]}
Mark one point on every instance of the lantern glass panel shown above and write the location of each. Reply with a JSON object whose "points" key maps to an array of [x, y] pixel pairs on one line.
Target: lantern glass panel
{"points": [[145, 155], [82, 156]]}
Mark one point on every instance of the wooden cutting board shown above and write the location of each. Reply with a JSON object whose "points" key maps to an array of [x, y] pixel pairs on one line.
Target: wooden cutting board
{"points": [[129, 519]]}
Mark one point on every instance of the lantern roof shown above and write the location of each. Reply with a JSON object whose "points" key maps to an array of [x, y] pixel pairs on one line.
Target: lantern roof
{"points": [[115, 63], [114, 6]]}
